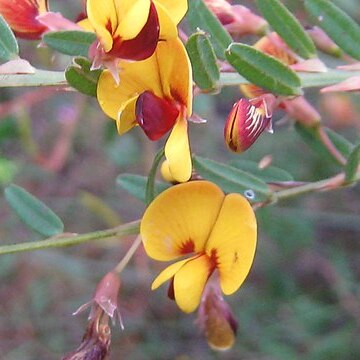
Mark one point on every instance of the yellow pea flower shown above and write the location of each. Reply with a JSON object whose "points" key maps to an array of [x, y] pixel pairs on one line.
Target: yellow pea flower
{"points": [[217, 231], [156, 94], [131, 29]]}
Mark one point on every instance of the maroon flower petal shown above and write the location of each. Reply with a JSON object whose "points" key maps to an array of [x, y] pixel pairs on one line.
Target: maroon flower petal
{"points": [[144, 44], [155, 115]]}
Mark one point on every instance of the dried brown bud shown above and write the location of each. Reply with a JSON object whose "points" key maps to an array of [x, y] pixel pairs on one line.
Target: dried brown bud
{"points": [[217, 320], [104, 306]]}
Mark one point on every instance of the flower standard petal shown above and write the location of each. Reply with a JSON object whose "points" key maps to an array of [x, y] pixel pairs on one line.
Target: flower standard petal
{"points": [[180, 219], [175, 9], [189, 282], [133, 15], [143, 44], [167, 24], [177, 151], [175, 72], [232, 242], [102, 15]]}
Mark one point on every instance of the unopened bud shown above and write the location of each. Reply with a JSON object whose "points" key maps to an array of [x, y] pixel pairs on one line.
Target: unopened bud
{"points": [[237, 19], [247, 121], [323, 42]]}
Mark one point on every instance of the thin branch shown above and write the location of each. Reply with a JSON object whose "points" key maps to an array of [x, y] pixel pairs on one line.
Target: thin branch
{"points": [[63, 240]]}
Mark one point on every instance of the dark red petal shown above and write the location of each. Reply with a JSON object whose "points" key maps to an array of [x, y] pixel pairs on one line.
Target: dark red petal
{"points": [[171, 291], [155, 115], [21, 17], [144, 44], [246, 121]]}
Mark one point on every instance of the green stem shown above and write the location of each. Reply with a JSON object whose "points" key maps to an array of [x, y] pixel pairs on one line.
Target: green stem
{"points": [[307, 79], [131, 228], [150, 185], [39, 78], [326, 184]]}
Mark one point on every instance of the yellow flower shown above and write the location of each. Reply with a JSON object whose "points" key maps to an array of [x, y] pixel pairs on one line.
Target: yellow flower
{"points": [[130, 29], [218, 231], [156, 94]]}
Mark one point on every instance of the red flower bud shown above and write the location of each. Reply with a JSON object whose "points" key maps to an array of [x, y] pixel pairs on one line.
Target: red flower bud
{"points": [[246, 121], [21, 15]]}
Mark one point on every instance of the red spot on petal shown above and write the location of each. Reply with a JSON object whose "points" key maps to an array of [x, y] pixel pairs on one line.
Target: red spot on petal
{"points": [[155, 115], [187, 247], [144, 44], [214, 258]]}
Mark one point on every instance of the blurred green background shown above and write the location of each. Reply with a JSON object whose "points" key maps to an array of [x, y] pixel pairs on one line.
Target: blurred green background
{"points": [[301, 300]]}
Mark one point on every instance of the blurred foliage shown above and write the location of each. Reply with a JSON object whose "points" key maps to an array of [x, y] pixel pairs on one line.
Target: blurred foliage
{"points": [[301, 300]]}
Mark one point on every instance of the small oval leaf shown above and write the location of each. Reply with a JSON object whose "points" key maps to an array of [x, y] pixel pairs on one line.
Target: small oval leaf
{"points": [[9, 48], [268, 174], [341, 28], [75, 43], [80, 77], [203, 61], [33, 212], [288, 27], [136, 185], [200, 17], [263, 70], [231, 179], [352, 164]]}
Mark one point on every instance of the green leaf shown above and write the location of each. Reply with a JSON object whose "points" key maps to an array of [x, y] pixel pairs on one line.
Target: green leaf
{"points": [[312, 137], [75, 43], [9, 48], [337, 24], [136, 185], [150, 191], [231, 179], [268, 174], [203, 61], [263, 70], [33, 212], [80, 77], [200, 17], [8, 170], [352, 164], [288, 27]]}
